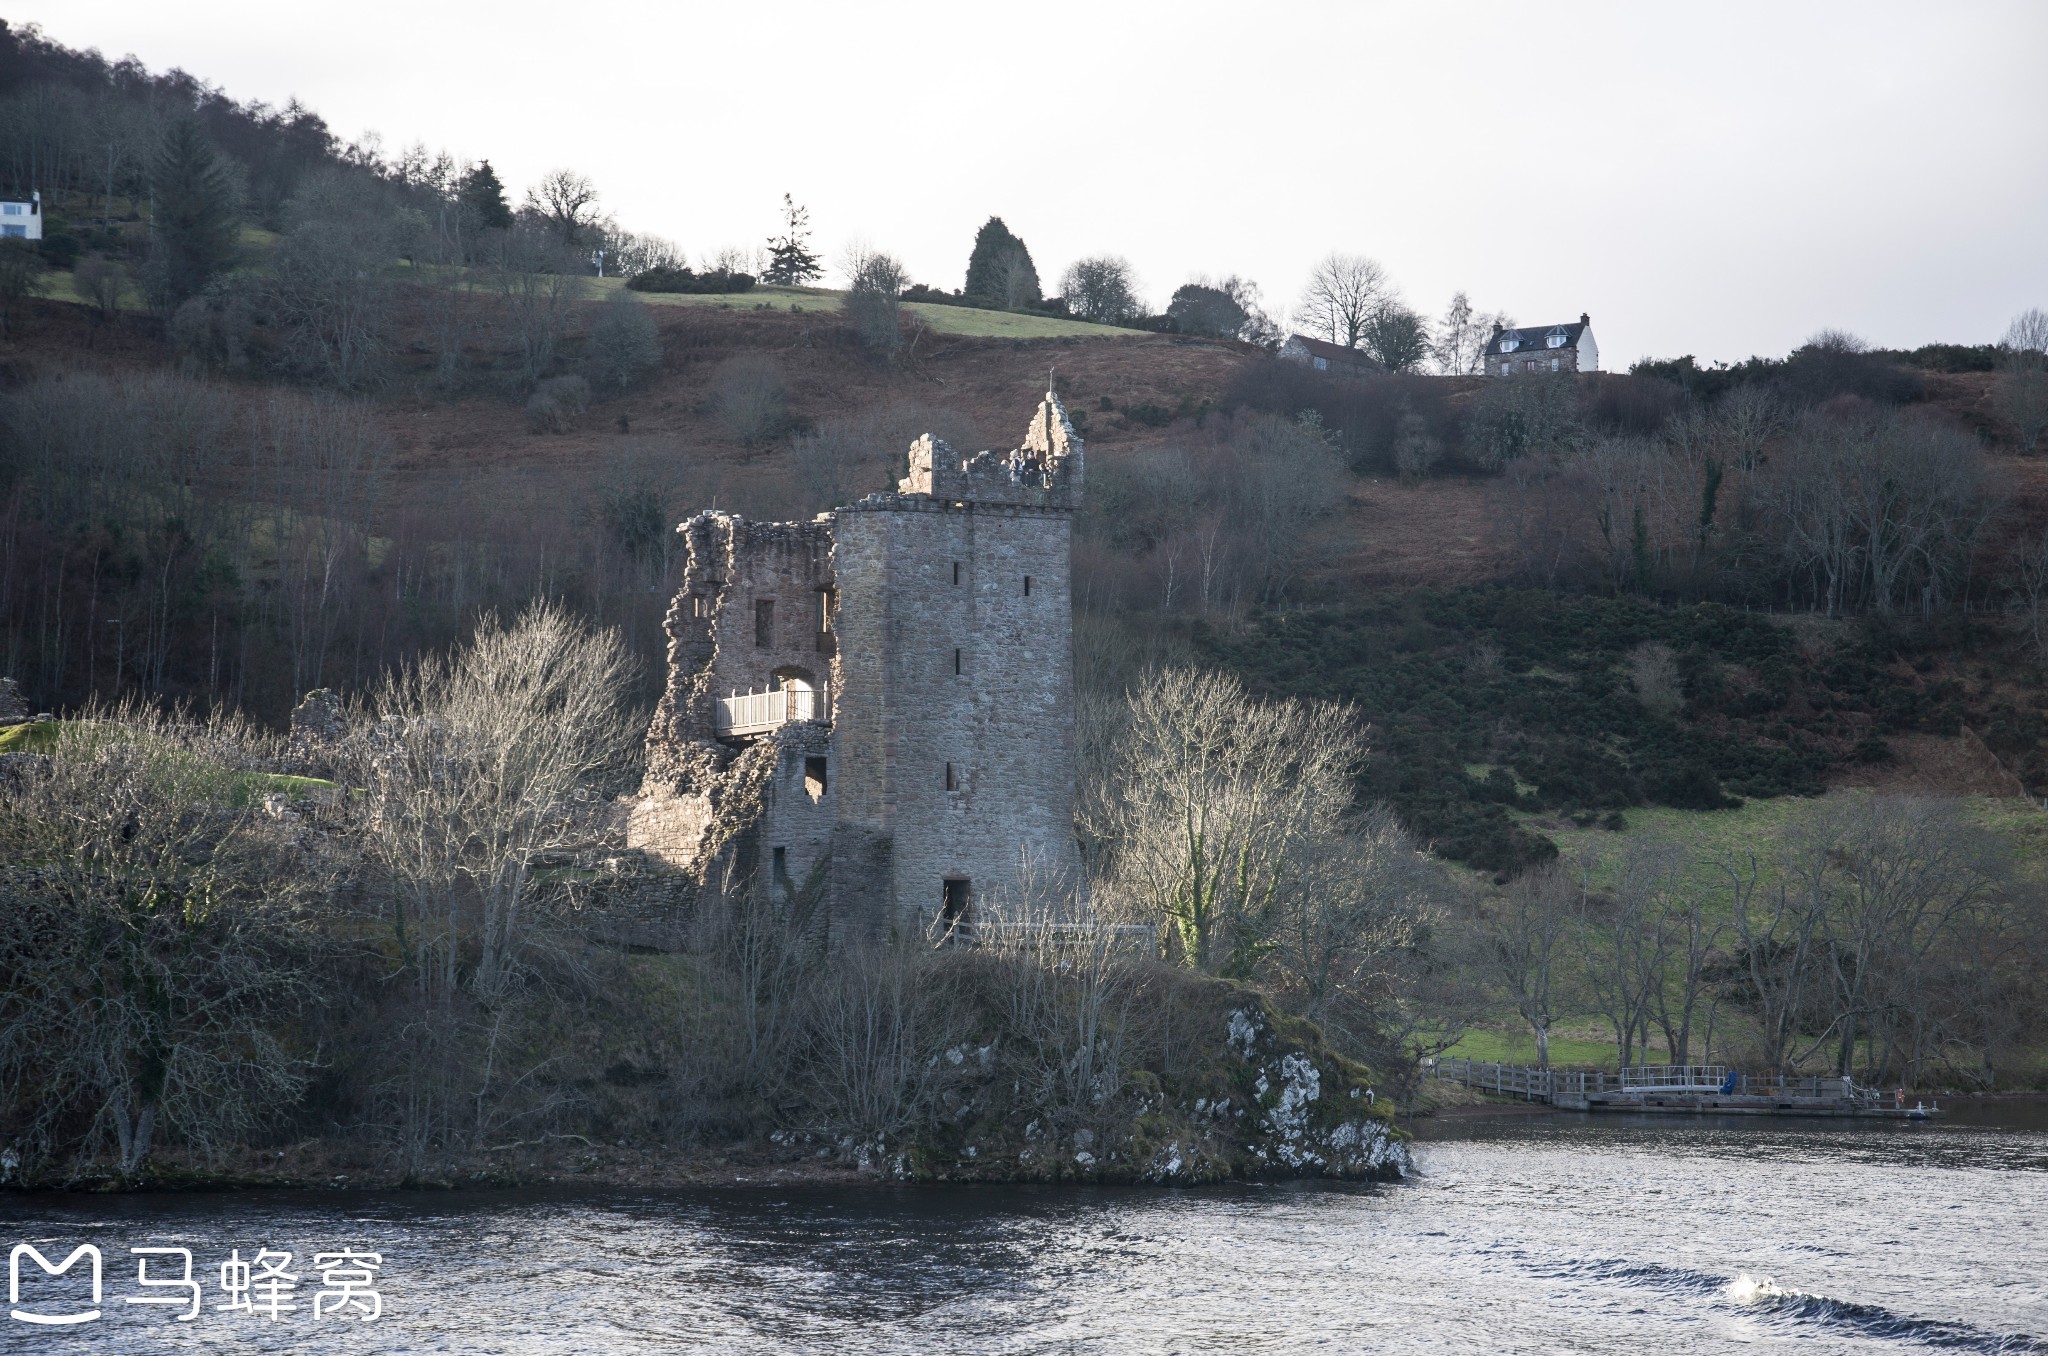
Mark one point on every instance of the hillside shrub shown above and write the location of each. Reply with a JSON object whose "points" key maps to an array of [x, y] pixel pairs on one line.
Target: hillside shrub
{"points": [[750, 396], [714, 282], [556, 404], [624, 343]]}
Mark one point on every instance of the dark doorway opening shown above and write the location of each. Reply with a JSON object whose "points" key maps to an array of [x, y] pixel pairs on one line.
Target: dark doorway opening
{"points": [[956, 912]]}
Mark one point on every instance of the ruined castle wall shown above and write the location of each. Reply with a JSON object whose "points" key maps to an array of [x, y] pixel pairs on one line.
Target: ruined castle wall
{"points": [[1000, 712], [688, 807]]}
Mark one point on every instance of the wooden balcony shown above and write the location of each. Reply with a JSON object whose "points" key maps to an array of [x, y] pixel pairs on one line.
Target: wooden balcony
{"points": [[753, 713]]}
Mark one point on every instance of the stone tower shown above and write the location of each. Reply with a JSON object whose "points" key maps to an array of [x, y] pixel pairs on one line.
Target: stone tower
{"points": [[872, 713]]}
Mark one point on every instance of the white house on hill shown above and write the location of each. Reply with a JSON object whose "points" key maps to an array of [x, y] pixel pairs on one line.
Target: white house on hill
{"points": [[1543, 348], [21, 219]]}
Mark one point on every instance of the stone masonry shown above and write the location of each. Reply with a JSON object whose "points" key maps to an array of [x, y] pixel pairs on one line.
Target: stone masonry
{"points": [[929, 635]]}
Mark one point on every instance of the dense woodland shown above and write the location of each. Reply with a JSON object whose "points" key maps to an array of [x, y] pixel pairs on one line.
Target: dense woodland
{"points": [[1408, 815]]}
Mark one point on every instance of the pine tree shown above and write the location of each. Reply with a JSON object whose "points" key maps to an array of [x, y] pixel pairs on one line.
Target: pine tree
{"points": [[193, 231], [790, 261], [484, 196], [1000, 271]]}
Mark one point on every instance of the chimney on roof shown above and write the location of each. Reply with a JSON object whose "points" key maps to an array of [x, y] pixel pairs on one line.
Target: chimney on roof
{"points": [[1497, 327], [1585, 319]]}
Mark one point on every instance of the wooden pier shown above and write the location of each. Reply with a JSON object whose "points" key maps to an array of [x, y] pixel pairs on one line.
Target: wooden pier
{"points": [[1697, 1089]]}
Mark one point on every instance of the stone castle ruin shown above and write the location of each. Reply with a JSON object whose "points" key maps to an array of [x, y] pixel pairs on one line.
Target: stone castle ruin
{"points": [[871, 714]]}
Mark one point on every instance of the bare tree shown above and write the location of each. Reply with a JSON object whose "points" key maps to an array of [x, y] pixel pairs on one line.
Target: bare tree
{"points": [[469, 769], [328, 289], [1103, 289], [1526, 930], [1217, 796], [539, 290], [1343, 294], [2022, 387], [567, 201], [874, 299], [1359, 897]]}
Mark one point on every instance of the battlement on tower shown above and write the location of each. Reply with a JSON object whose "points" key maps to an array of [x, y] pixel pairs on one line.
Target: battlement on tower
{"points": [[1043, 471]]}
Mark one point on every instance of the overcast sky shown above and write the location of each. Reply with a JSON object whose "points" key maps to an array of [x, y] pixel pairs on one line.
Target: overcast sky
{"points": [[1711, 179]]}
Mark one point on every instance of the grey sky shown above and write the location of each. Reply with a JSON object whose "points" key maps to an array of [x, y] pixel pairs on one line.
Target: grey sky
{"points": [[1721, 180]]}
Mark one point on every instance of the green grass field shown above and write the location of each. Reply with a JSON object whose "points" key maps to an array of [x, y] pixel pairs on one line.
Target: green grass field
{"points": [[1760, 825], [959, 320], [1519, 1047]]}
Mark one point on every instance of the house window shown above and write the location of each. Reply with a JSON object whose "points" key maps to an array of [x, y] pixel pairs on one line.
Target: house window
{"points": [[952, 776], [814, 777], [12, 209], [1510, 341], [764, 622], [14, 232], [1556, 338], [1506, 368], [957, 903], [1027, 586], [1530, 364], [1553, 364], [1322, 364]]}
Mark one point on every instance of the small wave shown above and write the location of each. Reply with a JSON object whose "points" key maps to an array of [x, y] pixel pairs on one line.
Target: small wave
{"points": [[1871, 1320], [1766, 1297]]}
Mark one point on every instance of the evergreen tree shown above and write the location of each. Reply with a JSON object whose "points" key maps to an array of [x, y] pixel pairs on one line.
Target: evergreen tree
{"points": [[790, 261], [197, 211], [1000, 271], [483, 196]]}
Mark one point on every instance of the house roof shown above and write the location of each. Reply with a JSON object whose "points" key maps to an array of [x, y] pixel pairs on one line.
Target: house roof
{"points": [[1323, 348], [1534, 338]]}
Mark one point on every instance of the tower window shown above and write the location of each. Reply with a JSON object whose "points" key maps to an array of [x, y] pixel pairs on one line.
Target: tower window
{"points": [[952, 776], [956, 663], [781, 863], [814, 777], [764, 622], [956, 573], [1027, 586]]}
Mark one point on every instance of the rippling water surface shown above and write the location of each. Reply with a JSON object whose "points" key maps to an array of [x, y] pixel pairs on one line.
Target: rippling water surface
{"points": [[1559, 1234]]}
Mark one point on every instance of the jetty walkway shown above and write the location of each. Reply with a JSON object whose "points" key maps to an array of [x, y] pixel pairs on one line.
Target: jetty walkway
{"points": [[1711, 1089]]}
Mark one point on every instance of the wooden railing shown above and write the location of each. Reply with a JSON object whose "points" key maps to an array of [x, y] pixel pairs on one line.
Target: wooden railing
{"points": [[746, 713], [1544, 1085]]}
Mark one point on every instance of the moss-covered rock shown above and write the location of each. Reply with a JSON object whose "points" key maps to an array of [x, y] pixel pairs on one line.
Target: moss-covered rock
{"points": [[1262, 1096]]}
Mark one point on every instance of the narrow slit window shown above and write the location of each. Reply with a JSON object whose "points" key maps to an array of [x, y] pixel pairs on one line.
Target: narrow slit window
{"points": [[956, 574], [1027, 586], [952, 776], [956, 663], [824, 609], [814, 777], [781, 862], [764, 622]]}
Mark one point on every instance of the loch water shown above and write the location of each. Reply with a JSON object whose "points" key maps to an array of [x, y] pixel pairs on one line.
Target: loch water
{"points": [[1541, 1234]]}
